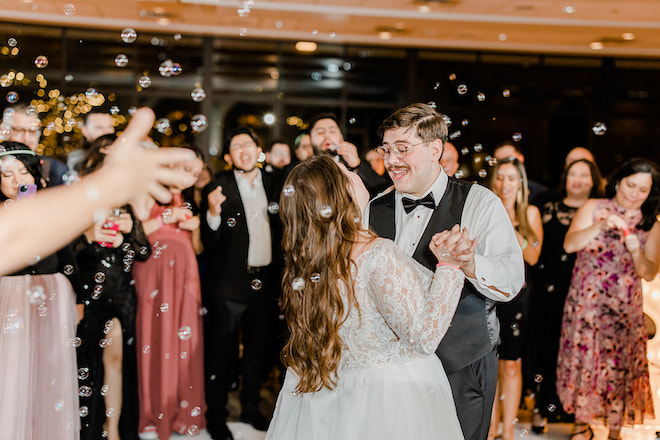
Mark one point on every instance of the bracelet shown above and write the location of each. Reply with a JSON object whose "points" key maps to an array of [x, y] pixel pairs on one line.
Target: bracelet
{"points": [[524, 245], [160, 220], [453, 266]]}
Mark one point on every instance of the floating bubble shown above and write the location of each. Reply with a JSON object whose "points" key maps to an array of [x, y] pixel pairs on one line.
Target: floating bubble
{"points": [[516, 137], [231, 222], [99, 277], [465, 122], [69, 9], [317, 76], [482, 173], [481, 97], [465, 150], [108, 326], [243, 12], [12, 97], [273, 208], [492, 161], [132, 110], [198, 123], [84, 391], [162, 125], [144, 81], [459, 174], [109, 412], [76, 342], [196, 411], [185, 333], [198, 94], [352, 121], [298, 284], [552, 407], [164, 307], [325, 211], [478, 148], [550, 288], [599, 128], [83, 411], [83, 373], [506, 93], [42, 310], [462, 89], [104, 390], [36, 295], [105, 342], [452, 77], [436, 86], [256, 284], [68, 269], [432, 104], [11, 42], [165, 68], [177, 37], [91, 93], [176, 69], [146, 349], [538, 378], [5, 81], [455, 134], [315, 277], [447, 119], [288, 190], [242, 32], [121, 60], [192, 431], [563, 257], [41, 61], [128, 35]]}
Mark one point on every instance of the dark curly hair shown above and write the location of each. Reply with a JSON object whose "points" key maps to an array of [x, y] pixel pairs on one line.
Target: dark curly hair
{"points": [[23, 153]]}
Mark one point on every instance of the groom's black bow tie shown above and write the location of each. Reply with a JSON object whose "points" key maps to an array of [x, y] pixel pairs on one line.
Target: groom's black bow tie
{"points": [[410, 204]]}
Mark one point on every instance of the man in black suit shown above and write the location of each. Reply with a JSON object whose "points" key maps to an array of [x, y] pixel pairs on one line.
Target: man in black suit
{"points": [[425, 201], [240, 233]]}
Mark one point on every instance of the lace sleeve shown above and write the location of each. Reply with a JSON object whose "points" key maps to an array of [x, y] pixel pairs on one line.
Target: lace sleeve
{"points": [[416, 306]]}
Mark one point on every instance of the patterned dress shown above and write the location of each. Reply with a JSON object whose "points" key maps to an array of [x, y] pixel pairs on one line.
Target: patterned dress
{"points": [[602, 370]]}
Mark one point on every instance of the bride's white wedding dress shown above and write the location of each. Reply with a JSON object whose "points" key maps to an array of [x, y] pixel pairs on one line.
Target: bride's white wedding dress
{"points": [[390, 383]]}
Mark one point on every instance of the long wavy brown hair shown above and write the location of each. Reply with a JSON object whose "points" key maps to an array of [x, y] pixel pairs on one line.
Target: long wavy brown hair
{"points": [[321, 225]]}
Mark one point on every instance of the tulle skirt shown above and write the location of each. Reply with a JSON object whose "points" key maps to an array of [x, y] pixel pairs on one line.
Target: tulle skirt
{"points": [[408, 400], [38, 384]]}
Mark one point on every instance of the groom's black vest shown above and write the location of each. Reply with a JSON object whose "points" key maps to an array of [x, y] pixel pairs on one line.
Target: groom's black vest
{"points": [[467, 339]]}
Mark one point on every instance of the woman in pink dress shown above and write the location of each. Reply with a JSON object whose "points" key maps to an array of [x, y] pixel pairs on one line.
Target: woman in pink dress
{"points": [[169, 324], [602, 371]]}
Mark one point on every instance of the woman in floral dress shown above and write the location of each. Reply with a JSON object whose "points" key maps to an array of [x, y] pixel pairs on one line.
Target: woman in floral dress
{"points": [[602, 372]]}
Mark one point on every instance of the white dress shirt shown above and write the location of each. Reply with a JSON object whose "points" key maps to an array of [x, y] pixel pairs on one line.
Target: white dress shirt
{"points": [[499, 267], [255, 205]]}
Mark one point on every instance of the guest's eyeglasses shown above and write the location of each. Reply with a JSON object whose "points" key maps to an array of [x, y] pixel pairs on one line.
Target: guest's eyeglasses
{"points": [[400, 149], [32, 131]]}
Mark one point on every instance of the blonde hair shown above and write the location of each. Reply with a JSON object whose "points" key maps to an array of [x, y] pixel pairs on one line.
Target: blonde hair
{"points": [[522, 197]]}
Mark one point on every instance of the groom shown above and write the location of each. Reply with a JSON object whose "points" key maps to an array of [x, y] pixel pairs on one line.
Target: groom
{"points": [[425, 201]]}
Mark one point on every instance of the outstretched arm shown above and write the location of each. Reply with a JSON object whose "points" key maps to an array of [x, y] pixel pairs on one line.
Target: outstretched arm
{"points": [[56, 216]]}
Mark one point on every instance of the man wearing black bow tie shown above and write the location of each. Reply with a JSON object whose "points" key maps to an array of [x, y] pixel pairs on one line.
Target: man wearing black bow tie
{"points": [[425, 201]]}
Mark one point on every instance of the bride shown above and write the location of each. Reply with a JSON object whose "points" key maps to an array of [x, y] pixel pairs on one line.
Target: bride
{"points": [[365, 319]]}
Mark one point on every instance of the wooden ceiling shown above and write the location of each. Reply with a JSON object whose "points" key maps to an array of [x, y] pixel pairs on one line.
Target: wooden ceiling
{"points": [[572, 27]]}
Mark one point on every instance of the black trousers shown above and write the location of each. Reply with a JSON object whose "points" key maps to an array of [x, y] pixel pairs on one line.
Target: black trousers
{"points": [[228, 320], [473, 388]]}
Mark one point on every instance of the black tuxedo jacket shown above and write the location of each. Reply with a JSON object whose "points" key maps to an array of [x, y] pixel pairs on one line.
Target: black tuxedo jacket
{"points": [[227, 276], [467, 339]]}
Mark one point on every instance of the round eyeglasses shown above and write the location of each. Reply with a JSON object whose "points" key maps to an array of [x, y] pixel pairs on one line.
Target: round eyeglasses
{"points": [[400, 149]]}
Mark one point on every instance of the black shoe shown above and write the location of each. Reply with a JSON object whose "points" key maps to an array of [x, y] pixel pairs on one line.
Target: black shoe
{"points": [[257, 420], [220, 432]]}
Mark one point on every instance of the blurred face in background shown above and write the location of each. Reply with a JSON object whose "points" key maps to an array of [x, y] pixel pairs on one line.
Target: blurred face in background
{"points": [[96, 125], [507, 182], [633, 190], [449, 159], [25, 129], [14, 174], [377, 164], [578, 181], [326, 135], [279, 155], [305, 150]]}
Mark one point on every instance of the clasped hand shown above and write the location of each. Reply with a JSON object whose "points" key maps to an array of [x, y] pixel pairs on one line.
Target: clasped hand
{"points": [[456, 248]]}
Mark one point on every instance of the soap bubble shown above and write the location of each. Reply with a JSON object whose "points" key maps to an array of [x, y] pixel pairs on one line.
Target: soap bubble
{"points": [[516, 137], [41, 61], [198, 94], [185, 333], [121, 60], [128, 35], [69, 9], [298, 284], [599, 128], [256, 284], [198, 123], [144, 81], [12, 97], [462, 89]]}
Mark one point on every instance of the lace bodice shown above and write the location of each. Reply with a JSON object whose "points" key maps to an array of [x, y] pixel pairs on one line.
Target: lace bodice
{"points": [[405, 309]]}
